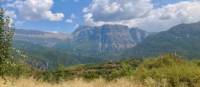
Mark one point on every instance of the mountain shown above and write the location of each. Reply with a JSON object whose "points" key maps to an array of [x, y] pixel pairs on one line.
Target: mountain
{"points": [[39, 48], [48, 39], [105, 40], [182, 39], [37, 45], [85, 45], [108, 42]]}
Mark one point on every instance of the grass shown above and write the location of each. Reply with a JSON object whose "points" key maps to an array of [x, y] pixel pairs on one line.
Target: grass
{"points": [[71, 83], [171, 70], [164, 71]]}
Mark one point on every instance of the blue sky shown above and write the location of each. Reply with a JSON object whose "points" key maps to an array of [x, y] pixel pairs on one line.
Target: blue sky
{"points": [[66, 15], [68, 7], [165, 2]]}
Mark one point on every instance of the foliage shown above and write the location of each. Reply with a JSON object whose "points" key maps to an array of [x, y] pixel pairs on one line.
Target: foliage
{"points": [[175, 71], [50, 58], [164, 71], [6, 34], [109, 71], [5, 37]]}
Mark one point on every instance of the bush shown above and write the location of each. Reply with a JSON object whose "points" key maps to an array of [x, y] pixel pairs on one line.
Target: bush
{"points": [[177, 72], [14, 70]]}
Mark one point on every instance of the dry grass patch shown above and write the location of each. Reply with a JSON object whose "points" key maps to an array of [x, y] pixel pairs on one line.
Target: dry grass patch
{"points": [[72, 83]]}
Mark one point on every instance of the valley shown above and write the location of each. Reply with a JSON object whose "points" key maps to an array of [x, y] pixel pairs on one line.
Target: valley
{"points": [[87, 45]]}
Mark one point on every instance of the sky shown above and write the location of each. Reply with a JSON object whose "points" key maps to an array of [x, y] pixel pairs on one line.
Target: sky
{"points": [[67, 15]]}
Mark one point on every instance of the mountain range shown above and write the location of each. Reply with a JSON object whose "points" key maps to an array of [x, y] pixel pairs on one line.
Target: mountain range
{"points": [[108, 42], [182, 39]]}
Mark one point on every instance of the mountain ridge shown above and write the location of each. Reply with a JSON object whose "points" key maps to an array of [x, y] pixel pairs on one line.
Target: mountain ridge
{"points": [[111, 42], [182, 39]]}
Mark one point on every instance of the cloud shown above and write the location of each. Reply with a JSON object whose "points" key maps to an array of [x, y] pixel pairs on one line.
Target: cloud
{"points": [[115, 10], [36, 10], [70, 0], [141, 13], [3, 1], [71, 18], [11, 14], [19, 23], [170, 15]]}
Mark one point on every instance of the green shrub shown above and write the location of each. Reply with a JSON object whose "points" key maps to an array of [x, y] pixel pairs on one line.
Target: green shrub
{"points": [[176, 71]]}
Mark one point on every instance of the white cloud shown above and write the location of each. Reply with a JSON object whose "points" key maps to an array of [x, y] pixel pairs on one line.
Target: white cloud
{"points": [[11, 14], [173, 14], [37, 10], [115, 10], [137, 15], [71, 18], [19, 23], [70, 0]]}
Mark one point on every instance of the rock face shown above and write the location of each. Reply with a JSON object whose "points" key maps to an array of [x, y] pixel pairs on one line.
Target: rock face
{"points": [[108, 38]]}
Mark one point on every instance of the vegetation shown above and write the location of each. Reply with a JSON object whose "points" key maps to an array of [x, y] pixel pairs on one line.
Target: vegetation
{"points": [[72, 83], [182, 39], [5, 45], [5, 37], [164, 71], [170, 71], [50, 58]]}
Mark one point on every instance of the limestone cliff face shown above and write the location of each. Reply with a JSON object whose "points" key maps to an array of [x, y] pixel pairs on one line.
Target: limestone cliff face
{"points": [[109, 38]]}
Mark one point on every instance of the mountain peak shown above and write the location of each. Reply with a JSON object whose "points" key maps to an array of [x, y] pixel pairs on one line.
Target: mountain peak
{"points": [[182, 39], [114, 26], [108, 37]]}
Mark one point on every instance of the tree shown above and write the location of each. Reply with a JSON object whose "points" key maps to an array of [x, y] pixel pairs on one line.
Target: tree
{"points": [[6, 34]]}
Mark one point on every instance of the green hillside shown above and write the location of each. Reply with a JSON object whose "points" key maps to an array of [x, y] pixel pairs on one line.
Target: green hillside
{"points": [[183, 39], [49, 58]]}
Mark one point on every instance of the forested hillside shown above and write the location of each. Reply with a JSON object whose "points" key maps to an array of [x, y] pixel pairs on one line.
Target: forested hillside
{"points": [[182, 39]]}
